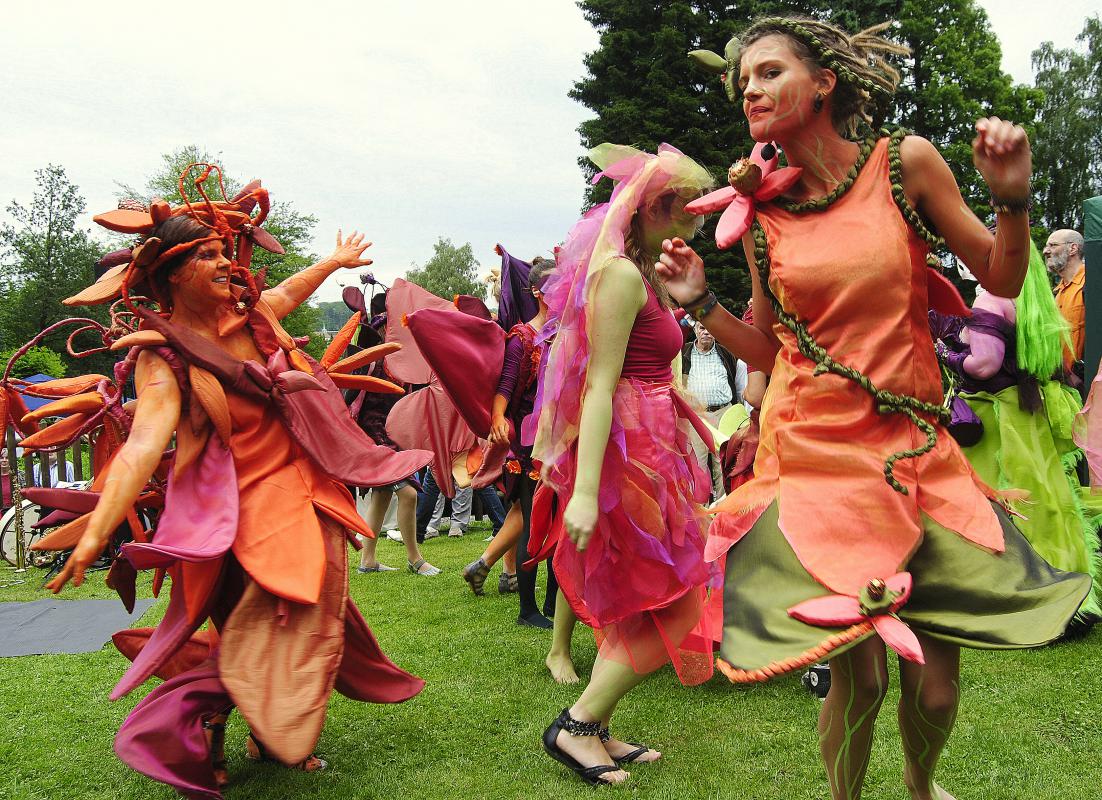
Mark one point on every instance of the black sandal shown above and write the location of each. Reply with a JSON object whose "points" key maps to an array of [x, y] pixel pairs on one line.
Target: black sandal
{"points": [[565, 722], [475, 574], [628, 758]]}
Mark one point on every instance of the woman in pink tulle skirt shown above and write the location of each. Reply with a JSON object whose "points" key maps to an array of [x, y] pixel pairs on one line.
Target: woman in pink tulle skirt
{"points": [[613, 438]]}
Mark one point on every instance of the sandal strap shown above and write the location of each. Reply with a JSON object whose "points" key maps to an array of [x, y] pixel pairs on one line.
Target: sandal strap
{"points": [[594, 773], [575, 727], [604, 734], [629, 758]]}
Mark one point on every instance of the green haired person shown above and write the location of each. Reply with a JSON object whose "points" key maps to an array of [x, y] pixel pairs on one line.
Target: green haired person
{"points": [[1004, 357], [864, 532]]}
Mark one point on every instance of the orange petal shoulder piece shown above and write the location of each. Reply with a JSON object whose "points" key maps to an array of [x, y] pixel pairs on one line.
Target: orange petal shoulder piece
{"points": [[367, 383], [124, 220], [145, 338], [63, 387], [209, 393], [341, 341], [77, 404], [58, 433], [364, 357]]}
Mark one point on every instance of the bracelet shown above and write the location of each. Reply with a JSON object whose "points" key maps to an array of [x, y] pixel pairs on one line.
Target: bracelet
{"points": [[1001, 206], [701, 311], [697, 301]]}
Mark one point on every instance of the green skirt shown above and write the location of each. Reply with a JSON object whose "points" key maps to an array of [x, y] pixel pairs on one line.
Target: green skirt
{"points": [[1034, 452], [961, 594]]}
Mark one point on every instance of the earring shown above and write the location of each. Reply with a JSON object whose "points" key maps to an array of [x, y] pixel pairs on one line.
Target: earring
{"points": [[817, 103]]}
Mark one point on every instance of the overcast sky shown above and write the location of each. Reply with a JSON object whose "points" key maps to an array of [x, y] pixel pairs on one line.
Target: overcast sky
{"points": [[408, 120]]}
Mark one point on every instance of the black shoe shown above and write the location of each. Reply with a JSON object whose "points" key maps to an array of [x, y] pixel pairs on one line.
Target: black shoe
{"points": [[591, 775], [817, 680], [535, 620]]}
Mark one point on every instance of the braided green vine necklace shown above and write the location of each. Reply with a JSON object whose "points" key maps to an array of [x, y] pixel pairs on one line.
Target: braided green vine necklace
{"points": [[886, 402]]}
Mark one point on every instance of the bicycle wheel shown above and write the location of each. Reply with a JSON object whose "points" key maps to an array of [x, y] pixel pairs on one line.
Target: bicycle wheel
{"points": [[7, 530]]}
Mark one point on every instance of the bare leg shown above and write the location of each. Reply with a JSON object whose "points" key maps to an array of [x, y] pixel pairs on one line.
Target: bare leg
{"points": [[858, 684], [407, 525], [376, 510], [610, 681], [509, 560], [927, 710], [558, 660], [505, 542]]}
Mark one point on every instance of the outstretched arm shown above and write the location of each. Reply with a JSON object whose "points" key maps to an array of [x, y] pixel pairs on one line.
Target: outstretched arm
{"points": [[155, 418], [619, 294], [1002, 155], [294, 291]]}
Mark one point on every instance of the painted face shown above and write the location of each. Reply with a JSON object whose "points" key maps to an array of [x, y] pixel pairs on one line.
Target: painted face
{"points": [[777, 88], [205, 276]]}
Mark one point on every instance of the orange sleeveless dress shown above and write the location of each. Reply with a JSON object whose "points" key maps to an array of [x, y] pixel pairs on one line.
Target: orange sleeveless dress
{"points": [[818, 516]]}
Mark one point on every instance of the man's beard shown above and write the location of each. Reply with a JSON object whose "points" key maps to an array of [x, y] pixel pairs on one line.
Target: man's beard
{"points": [[1057, 263]]}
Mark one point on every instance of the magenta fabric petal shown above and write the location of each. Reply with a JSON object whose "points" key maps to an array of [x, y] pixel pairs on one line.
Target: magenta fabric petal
{"points": [[778, 182], [403, 298], [428, 420], [735, 221], [943, 296], [899, 637], [192, 527], [163, 738], [831, 611], [365, 672], [713, 201], [466, 353], [294, 380]]}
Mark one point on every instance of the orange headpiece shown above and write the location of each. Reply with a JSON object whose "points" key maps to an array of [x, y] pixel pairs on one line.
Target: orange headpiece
{"points": [[231, 220]]}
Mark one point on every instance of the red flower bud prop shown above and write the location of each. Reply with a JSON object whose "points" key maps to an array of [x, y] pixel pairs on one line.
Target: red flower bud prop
{"points": [[754, 179]]}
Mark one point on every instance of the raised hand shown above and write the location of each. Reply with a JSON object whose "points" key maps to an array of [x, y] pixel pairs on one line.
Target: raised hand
{"points": [[1002, 155], [681, 269], [349, 252]]}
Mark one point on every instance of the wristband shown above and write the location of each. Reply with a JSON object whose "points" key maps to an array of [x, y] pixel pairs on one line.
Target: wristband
{"points": [[703, 310], [696, 301]]}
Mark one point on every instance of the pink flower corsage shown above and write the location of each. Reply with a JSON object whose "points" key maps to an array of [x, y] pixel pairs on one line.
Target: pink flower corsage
{"points": [[877, 604], [754, 179]]}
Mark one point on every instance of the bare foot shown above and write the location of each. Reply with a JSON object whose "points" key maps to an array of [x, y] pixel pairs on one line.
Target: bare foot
{"points": [[589, 752], [561, 668], [934, 792], [618, 749]]}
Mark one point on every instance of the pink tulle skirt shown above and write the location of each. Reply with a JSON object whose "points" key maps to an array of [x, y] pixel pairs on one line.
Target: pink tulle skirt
{"points": [[642, 582]]}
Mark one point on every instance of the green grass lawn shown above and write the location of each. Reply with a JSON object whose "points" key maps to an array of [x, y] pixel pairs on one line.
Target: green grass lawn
{"points": [[1030, 724]]}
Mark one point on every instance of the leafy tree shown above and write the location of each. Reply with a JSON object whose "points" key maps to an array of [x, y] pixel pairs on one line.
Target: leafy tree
{"points": [[334, 314], [45, 258], [290, 227], [450, 271], [37, 360], [1067, 149], [644, 90]]}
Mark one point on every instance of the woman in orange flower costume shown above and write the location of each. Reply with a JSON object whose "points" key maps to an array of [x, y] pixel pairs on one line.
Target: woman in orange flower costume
{"points": [[863, 526], [256, 515]]}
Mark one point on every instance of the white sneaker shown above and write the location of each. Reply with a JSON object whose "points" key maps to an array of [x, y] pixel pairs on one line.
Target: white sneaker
{"points": [[394, 536]]}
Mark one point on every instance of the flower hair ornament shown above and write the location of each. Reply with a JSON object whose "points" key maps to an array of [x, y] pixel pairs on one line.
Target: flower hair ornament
{"points": [[236, 222], [754, 179]]}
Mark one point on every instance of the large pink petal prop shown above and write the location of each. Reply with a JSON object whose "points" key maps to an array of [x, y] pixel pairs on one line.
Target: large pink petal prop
{"points": [[777, 183], [900, 583], [735, 221], [832, 611], [713, 201], [899, 637]]}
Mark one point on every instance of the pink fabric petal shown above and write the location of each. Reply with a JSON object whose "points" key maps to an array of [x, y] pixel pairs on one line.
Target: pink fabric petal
{"points": [[735, 221], [713, 201], [778, 182], [899, 637], [900, 584], [756, 158], [831, 611]]}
